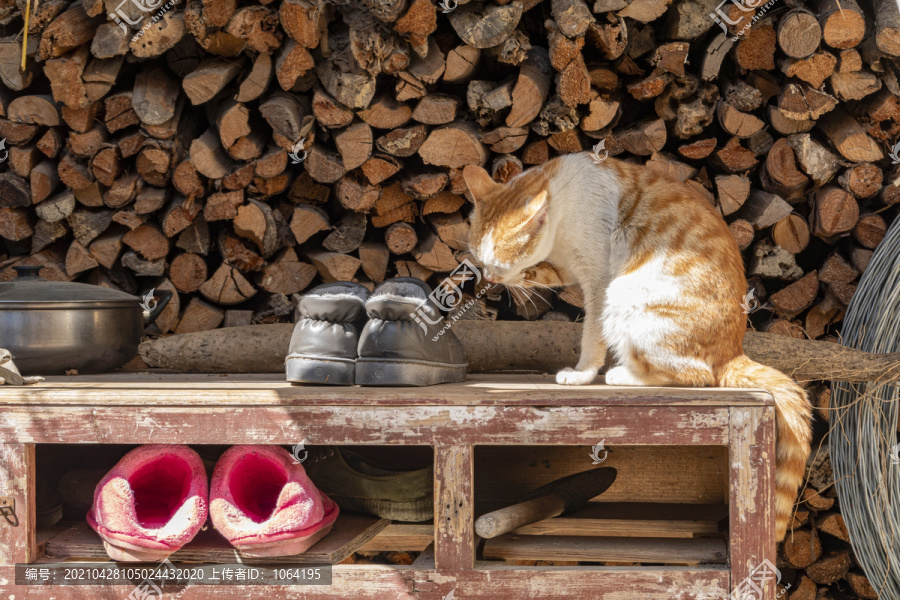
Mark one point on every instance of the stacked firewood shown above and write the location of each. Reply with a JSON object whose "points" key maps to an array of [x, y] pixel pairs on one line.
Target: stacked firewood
{"points": [[241, 153], [816, 558]]}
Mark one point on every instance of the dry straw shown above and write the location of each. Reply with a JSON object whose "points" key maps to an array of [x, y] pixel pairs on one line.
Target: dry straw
{"points": [[865, 425]]}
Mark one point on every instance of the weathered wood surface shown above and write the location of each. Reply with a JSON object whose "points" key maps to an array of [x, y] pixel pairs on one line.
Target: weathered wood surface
{"points": [[166, 390], [670, 475], [692, 551], [454, 507], [284, 423], [349, 532], [634, 519], [751, 457], [375, 582], [173, 408], [17, 481], [409, 537], [545, 346]]}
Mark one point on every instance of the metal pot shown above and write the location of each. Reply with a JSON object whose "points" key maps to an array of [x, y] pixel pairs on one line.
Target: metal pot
{"points": [[52, 326]]}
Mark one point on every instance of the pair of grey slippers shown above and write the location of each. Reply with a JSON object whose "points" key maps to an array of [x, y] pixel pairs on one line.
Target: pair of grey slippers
{"points": [[394, 336]]}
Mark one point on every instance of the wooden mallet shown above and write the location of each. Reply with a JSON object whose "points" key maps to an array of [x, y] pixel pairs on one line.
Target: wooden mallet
{"points": [[557, 497]]}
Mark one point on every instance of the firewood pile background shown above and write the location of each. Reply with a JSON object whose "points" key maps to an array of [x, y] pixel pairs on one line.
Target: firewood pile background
{"points": [[241, 153]]}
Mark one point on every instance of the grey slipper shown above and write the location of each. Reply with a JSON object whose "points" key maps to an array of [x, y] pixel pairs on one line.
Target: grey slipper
{"points": [[323, 345], [405, 342]]}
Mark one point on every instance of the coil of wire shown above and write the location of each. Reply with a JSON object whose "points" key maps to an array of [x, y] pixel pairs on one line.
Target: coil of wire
{"points": [[863, 441]]}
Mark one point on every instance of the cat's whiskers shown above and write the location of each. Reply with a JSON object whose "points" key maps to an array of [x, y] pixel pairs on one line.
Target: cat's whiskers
{"points": [[540, 284], [525, 293]]}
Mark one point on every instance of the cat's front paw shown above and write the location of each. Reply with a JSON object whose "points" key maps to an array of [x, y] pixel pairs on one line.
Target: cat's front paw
{"points": [[570, 376], [621, 376]]}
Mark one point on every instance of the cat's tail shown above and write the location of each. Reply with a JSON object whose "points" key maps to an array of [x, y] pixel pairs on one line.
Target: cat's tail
{"points": [[793, 416]]}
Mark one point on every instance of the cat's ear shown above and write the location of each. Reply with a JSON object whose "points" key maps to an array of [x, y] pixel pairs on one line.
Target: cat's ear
{"points": [[536, 210], [479, 182]]}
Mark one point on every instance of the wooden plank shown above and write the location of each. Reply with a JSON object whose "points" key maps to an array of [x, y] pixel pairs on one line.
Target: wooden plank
{"points": [[341, 424], [350, 532], [17, 481], [454, 539], [409, 537], [607, 549], [752, 463], [377, 582], [634, 519], [191, 389], [668, 474]]}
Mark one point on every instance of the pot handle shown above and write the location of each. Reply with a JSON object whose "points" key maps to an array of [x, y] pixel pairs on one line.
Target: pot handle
{"points": [[164, 297], [28, 272]]}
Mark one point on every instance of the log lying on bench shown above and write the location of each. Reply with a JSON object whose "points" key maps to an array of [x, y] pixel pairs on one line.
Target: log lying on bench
{"points": [[544, 346]]}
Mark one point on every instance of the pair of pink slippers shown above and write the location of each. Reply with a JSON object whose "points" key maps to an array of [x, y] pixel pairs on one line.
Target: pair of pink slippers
{"points": [[154, 501]]}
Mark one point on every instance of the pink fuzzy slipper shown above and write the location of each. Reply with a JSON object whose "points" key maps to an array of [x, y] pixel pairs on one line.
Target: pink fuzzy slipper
{"points": [[262, 501], [151, 503]]}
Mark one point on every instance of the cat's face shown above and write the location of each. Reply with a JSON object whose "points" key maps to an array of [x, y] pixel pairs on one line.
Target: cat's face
{"points": [[509, 226]]}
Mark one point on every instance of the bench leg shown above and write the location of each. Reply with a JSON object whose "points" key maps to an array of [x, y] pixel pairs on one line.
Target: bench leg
{"points": [[454, 547], [17, 482], [751, 457]]}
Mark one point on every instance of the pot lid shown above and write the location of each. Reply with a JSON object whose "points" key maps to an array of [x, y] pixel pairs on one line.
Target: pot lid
{"points": [[30, 288]]}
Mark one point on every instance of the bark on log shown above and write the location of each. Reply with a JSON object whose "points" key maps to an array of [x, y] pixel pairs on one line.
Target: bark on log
{"points": [[543, 346]]}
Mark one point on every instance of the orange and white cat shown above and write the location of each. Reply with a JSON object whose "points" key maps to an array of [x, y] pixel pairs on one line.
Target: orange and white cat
{"points": [[662, 280]]}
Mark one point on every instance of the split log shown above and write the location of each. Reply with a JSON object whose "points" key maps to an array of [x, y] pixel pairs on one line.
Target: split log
{"points": [[763, 209], [531, 88], [543, 346], [155, 96], [791, 233], [485, 26], [348, 235], [199, 316], [227, 287], [286, 274], [308, 220], [148, 241], [849, 138], [835, 212], [792, 300], [887, 27], [842, 21], [374, 257], [333, 266], [862, 181], [209, 78], [870, 229], [401, 238], [468, 149], [799, 33]]}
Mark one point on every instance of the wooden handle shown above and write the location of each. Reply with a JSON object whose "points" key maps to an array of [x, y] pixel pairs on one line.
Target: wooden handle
{"points": [[512, 517]]}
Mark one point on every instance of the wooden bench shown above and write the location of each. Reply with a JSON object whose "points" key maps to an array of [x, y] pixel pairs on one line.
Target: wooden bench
{"points": [[485, 415]]}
